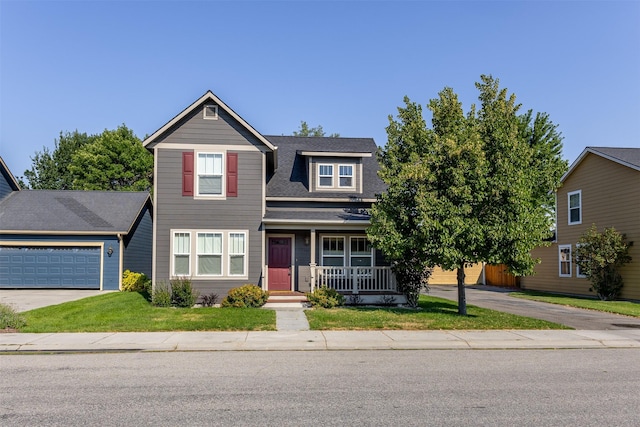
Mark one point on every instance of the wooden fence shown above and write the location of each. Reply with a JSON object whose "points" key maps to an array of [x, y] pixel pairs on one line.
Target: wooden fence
{"points": [[498, 275]]}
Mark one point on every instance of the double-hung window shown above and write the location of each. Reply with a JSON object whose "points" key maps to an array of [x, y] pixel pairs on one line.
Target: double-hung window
{"points": [[209, 254], [333, 251], [346, 175], [182, 254], [325, 175], [564, 260], [361, 254], [210, 173], [575, 207], [237, 254]]}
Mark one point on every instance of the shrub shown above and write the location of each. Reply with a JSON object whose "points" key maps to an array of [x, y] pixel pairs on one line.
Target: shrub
{"points": [[245, 296], [9, 318], [135, 282], [599, 257], [209, 300], [325, 298], [161, 295], [182, 293]]}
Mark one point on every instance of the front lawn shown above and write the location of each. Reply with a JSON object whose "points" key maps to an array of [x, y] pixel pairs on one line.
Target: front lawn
{"points": [[131, 312], [434, 314], [626, 308]]}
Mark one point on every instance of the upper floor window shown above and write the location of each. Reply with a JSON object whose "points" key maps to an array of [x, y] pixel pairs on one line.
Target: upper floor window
{"points": [[575, 207], [564, 260], [325, 175], [346, 176], [210, 173]]}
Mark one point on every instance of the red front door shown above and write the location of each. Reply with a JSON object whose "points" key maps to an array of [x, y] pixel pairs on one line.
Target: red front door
{"points": [[279, 263]]}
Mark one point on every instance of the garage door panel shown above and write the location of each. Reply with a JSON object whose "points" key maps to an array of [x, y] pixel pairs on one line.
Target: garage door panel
{"points": [[50, 267]]}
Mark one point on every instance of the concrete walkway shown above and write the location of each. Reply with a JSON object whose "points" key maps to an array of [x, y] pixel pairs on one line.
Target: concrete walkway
{"points": [[496, 298], [291, 319], [317, 340]]}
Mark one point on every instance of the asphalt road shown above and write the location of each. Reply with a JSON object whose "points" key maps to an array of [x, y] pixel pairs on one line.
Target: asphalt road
{"points": [[496, 388]]}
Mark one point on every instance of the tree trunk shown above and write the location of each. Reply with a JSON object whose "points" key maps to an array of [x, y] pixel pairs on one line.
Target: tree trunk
{"points": [[462, 299]]}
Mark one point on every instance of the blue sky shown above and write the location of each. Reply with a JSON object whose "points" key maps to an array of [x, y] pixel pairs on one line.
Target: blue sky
{"points": [[93, 65]]}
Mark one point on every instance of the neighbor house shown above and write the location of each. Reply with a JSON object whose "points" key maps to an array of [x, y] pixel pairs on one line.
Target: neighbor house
{"points": [[71, 239], [286, 213], [602, 187]]}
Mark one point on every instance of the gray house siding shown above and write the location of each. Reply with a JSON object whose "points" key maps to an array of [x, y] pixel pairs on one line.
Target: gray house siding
{"points": [[177, 212], [110, 273], [137, 245], [6, 187]]}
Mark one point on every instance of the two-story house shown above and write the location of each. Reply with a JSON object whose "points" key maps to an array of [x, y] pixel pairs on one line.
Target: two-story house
{"points": [[601, 187], [233, 206]]}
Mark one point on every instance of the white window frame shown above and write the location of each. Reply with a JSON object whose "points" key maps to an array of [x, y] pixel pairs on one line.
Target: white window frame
{"points": [[560, 261], [226, 254], [321, 175], [579, 207], [174, 253], [213, 108], [243, 253], [344, 251], [579, 275], [222, 174], [340, 175], [371, 251], [221, 253]]}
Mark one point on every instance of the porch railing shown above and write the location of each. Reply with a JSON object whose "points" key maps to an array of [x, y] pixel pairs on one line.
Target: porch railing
{"points": [[355, 279]]}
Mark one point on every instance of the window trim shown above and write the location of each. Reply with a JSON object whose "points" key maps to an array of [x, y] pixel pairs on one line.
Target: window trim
{"points": [[221, 234], [579, 275], [579, 207], [222, 175], [344, 250], [215, 112], [560, 262], [226, 255], [353, 181], [320, 175], [244, 254], [173, 252], [371, 251]]}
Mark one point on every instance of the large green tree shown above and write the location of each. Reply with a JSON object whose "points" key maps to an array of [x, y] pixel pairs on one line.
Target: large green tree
{"points": [[471, 188], [50, 169], [112, 160], [305, 130], [115, 160]]}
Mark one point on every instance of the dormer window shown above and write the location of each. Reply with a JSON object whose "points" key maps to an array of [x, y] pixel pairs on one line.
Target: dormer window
{"points": [[325, 175], [346, 176], [211, 112]]}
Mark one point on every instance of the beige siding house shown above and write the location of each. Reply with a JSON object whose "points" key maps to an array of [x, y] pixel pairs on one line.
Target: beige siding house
{"points": [[602, 187]]}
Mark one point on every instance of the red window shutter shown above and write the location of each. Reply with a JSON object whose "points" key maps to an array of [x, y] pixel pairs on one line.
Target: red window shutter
{"points": [[187, 173], [232, 174]]}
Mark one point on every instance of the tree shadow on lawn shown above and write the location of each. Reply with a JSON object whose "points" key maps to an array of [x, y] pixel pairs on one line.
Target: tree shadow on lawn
{"points": [[424, 307]]}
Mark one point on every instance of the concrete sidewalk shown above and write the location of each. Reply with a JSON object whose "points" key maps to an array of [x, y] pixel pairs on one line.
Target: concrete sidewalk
{"points": [[317, 340]]}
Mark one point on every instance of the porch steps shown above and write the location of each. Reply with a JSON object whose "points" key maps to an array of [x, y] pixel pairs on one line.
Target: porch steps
{"points": [[286, 299]]}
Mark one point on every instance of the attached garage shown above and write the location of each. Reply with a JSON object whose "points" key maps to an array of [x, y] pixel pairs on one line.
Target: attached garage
{"points": [[71, 239], [24, 267]]}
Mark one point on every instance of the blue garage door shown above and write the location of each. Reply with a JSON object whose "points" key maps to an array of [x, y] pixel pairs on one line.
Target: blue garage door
{"points": [[50, 267]]}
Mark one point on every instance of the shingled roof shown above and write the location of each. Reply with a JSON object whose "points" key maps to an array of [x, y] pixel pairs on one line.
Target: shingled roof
{"points": [[290, 179], [73, 212]]}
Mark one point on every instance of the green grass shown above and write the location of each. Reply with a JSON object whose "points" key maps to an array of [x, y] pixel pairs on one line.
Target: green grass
{"points": [[434, 314], [131, 312], [626, 308]]}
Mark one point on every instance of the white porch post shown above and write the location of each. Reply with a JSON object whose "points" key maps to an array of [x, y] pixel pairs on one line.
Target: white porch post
{"points": [[313, 263]]}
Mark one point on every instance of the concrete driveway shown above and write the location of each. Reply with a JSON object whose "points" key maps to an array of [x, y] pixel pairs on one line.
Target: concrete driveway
{"points": [[28, 299], [498, 299]]}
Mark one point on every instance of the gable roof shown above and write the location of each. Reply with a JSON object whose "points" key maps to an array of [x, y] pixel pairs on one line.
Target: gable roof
{"points": [[290, 180], [71, 212], [8, 176], [208, 96], [629, 157]]}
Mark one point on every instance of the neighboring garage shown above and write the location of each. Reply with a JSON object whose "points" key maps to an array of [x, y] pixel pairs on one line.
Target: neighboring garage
{"points": [[71, 239]]}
